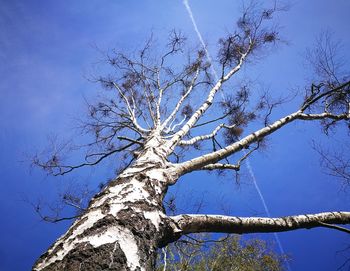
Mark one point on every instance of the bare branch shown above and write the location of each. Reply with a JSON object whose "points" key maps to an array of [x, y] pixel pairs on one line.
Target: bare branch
{"points": [[221, 167], [323, 116], [337, 164], [131, 110], [331, 226], [205, 137], [199, 162], [55, 217], [56, 220], [235, 167], [316, 93], [56, 169], [325, 59], [230, 224], [172, 129], [136, 141], [181, 100]]}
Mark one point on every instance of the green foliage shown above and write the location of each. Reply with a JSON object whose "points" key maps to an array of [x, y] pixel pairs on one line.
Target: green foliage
{"points": [[227, 254]]}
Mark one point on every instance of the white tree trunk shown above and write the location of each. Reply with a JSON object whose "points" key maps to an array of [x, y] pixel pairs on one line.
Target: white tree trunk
{"points": [[123, 225]]}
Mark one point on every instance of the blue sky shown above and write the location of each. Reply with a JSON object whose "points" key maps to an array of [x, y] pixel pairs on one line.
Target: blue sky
{"points": [[47, 48]]}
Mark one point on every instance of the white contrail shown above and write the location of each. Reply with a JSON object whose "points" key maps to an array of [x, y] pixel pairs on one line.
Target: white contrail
{"points": [[199, 35], [267, 211], [249, 167]]}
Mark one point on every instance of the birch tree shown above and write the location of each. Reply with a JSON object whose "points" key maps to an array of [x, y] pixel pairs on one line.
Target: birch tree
{"points": [[158, 108]]}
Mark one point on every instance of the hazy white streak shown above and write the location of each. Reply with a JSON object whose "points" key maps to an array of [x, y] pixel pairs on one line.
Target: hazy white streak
{"points": [[249, 167], [199, 35], [267, 211]]}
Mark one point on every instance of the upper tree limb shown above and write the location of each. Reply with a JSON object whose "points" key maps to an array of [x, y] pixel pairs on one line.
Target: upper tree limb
{"points": [[214, 157], [199, 162], [315, 98], [205, 105]]}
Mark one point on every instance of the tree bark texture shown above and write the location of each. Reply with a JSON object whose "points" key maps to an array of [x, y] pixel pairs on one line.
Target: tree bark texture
{"points": [[123, 225]]}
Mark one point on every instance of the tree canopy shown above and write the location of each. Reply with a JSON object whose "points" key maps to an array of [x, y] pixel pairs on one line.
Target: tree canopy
{"points": [[229, 253]]}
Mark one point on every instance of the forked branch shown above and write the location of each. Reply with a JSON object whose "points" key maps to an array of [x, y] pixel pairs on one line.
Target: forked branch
{"points": [[205, 137]]}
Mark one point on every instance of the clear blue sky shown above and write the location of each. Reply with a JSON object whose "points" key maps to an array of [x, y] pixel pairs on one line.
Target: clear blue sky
{"points": [[46, 48]]}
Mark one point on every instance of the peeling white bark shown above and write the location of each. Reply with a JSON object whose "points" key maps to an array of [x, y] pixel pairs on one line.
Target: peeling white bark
{"points": [[155, 217], [69, 244], [138, 197], [118, 234], [127, 243]]}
